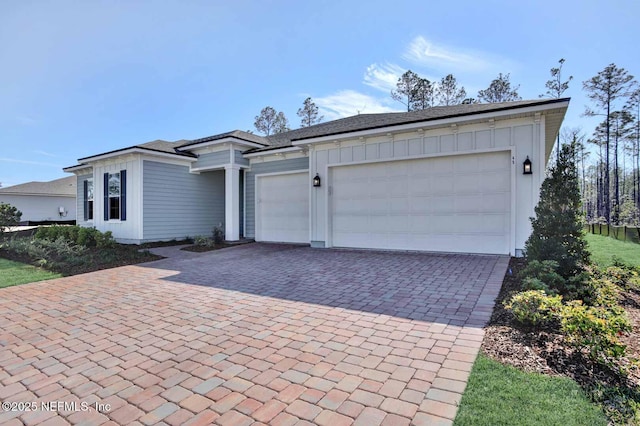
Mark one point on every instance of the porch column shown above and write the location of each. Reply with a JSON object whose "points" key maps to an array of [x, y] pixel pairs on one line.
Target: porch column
{"points": [[232, 202]]}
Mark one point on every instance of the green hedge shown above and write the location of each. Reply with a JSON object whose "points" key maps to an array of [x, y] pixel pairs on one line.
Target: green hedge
{"points": [[87, 237]]}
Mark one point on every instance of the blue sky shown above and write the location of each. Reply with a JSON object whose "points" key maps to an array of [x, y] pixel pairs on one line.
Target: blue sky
{"points": [[81, 78]]}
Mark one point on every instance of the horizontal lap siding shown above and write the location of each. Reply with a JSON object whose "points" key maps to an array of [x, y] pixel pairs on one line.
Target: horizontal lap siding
{"points": [[178, 204], [250, 183], [212, 159], [239, 159]]}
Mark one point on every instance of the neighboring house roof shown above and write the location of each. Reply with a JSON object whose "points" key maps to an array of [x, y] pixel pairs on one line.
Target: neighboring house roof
{"points": [[60, 187]]}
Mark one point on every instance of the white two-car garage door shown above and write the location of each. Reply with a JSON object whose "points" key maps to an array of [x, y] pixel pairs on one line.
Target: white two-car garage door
{"points": [[282, 209], [456, 204]]}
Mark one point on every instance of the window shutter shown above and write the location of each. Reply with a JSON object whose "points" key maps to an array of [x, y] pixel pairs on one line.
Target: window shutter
{"points": [[86, 202], [123, 195], [106, 196]]}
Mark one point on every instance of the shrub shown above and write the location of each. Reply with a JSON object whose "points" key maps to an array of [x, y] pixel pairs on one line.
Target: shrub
{"points": [[597, 328], [218, 235], [534, 307], [9, 216], [600, 290], [202, 241], [622, 275], [558, 226], [542, 275], [87, 237]]}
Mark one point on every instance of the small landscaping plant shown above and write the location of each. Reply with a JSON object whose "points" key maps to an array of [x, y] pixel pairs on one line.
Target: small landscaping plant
{"points": [[534, 307]]}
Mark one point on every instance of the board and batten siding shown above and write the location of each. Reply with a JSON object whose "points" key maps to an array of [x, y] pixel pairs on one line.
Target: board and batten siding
{"points": [[178, 203], [258, 168], [80, 201], [212, 159], [125, 231], [523, 136]]}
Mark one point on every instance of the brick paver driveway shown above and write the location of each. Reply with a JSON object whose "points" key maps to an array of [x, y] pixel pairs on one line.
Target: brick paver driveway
{"points": [[274, 334]]}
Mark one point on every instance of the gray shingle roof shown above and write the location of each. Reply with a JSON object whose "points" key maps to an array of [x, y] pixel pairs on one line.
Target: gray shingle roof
{"points": [[373, 121], [336, 127], [64, 186], [157, 146], [239, 134]]}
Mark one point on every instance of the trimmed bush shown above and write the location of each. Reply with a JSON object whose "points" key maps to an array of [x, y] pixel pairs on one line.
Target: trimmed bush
{"points": [[86, 237], [595, 328], [534, 307]]}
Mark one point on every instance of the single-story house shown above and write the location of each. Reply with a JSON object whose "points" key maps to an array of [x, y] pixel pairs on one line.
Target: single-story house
{"points": [[448, 178], [53, 201]]}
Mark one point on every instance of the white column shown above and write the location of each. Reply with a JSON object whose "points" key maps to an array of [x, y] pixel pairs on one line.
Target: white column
{"points": [[232, 202]]}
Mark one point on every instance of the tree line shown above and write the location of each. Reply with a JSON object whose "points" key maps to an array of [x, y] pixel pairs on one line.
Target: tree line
{"points": [[415, 92], [611, 185]]}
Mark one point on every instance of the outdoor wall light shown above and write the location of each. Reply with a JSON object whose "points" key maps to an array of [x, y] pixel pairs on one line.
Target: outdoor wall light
{"points": [[316, 180], [526, 167]]}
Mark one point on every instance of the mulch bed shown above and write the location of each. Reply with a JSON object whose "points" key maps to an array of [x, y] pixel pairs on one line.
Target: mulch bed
{"points": [[545, 351], [96, 259]]}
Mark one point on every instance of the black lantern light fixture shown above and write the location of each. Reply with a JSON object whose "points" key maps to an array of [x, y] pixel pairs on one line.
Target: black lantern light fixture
{"points": [[316, 180], [526, 167]]}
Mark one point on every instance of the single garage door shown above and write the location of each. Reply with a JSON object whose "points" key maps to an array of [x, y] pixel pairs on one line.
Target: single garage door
{"points": [[282, 210], [456, 204]]}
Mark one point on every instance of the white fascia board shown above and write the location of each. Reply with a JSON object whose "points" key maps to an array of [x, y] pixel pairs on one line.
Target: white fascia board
{"points": [[230, 139], [273, 151], [427, 124], [136, 150], [76, 169]]}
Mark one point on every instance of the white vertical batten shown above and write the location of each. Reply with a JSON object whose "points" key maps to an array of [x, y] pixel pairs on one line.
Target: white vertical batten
{"points": [[232, 202]]}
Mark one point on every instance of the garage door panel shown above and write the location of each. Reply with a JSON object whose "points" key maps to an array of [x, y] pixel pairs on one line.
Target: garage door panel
{"points": [[456, 203], [443, 205], [282, 213]]}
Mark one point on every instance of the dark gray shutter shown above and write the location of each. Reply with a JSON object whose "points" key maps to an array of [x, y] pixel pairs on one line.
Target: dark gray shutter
{"points": [[123, 195], [106, 196], [86, 202]]}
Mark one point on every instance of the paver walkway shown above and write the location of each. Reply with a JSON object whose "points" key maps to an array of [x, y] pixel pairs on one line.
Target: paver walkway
{"points": [[273, 334]]}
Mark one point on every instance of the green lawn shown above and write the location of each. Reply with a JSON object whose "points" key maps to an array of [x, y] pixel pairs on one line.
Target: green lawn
{"points": [[503, 395], [603, 248], [14, 273]]}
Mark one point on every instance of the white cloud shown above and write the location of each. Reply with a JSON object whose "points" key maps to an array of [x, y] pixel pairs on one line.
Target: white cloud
{"points": [[449, 59], [346, 103], [383, 77], [45, 153]]}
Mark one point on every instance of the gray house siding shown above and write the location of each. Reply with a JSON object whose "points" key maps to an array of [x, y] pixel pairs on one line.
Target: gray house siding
{"points": [[250, 182], [80, 199], [212, 159], [178, 204], [239, 159]]}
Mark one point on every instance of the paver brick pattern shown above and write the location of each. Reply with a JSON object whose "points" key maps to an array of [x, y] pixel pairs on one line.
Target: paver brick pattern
{"points": [[274, 334]]}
